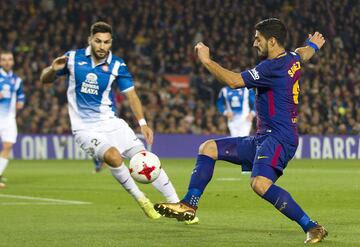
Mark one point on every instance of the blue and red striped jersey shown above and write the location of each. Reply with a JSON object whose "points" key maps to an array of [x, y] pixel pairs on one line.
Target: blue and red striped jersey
{"points": [[277, 95]]}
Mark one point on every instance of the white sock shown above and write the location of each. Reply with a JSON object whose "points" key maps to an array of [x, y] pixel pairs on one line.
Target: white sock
{"points": [[164, 185], [3, 164], [122, 175]]}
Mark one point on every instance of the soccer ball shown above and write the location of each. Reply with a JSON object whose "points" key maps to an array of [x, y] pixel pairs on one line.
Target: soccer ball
{"points": [[145, 167]]}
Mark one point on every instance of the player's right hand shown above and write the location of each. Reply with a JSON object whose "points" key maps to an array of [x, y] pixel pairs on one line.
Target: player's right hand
{"points": [[59, 63], [203, 52], [318, 39], [229, 115]]}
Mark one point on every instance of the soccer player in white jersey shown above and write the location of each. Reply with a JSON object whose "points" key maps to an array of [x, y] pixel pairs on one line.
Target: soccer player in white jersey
{"points": [[91, 73], [238, 107], [11, 99]]}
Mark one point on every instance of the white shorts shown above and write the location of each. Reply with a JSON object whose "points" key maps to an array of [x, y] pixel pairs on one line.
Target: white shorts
{"points": [[239, 126], [113, 133], [8, 131]]}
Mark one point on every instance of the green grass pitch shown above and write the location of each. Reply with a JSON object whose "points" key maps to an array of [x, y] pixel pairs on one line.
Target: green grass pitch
{"points": [[230, 213]]}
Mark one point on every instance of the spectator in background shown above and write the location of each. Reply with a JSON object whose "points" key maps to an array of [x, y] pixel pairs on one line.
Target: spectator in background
{"points": [[157, 38]]}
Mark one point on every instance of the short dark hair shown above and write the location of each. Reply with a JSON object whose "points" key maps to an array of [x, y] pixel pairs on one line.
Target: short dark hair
{"points": [[100, 27], [6, 52], [272, 27]]}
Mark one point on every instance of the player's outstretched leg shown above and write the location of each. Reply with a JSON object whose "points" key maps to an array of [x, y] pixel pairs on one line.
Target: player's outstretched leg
{"points": [[121, 173], [4, 161], [283, 201], [166, 188], [185, 210]]}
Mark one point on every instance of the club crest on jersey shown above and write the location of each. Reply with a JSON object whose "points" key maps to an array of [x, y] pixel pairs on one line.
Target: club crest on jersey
{"points": [[90, 85], [6, 91]]}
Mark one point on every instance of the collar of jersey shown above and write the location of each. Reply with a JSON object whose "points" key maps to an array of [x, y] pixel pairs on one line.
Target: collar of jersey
{"points": [[108, 59], [281, 54], [3, 72]]}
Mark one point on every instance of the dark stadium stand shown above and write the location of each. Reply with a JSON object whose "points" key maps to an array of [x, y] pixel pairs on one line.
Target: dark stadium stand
{"points": [[156, 38]]}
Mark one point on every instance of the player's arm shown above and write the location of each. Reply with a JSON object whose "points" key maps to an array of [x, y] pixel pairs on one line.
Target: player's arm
{"points": [[314, 43], [232, 79], [136, 108], [48, 74], [20, 96]]}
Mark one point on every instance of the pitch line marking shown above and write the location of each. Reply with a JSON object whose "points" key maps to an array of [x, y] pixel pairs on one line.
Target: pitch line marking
{"points": [[228, 179], [48, 200]]}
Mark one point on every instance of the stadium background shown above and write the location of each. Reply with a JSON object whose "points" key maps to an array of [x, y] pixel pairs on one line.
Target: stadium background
{"points": [[156, 39]]}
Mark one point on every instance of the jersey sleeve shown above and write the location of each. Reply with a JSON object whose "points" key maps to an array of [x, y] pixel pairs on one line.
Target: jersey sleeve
{"points": [[20, 97], [124, 79], [258, 76], [296, 55], [220, 101], [65, 70]]}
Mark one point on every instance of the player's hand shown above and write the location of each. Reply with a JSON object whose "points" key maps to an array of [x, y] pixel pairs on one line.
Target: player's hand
{"points": [[148, 134], [1, 96], [250, 117], [59, 63], [229, 115], [203, 52], [318, 39], [19, 105]]}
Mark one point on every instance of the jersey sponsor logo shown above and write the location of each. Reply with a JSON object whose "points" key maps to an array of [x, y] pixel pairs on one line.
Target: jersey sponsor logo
{"points": [[82, 63], [254, 74], [262, 157], [295, 67], [235, 101], [90, 85], [122, 64], [6, 91]]}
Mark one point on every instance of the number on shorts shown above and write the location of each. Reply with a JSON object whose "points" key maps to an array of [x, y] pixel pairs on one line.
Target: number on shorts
{"points": [[95, 142]]}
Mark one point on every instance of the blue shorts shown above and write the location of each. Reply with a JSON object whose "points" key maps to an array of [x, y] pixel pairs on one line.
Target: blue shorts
{"points": [[264, 155]]}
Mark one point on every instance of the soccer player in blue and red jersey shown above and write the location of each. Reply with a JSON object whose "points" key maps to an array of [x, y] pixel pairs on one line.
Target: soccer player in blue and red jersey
{"points": [[276, 81]]}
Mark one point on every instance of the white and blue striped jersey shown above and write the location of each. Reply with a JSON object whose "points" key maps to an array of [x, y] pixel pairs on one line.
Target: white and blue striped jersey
{"points": [[240, 101], [11, 92], [89, 93]]}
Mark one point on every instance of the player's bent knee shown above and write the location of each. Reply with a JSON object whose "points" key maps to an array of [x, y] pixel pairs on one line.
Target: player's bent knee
{"points": [[260, 184], [112, 157], [6, 150], [209, 148], [7, 146]]}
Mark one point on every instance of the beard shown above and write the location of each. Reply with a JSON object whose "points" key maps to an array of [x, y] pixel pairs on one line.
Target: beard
{"points": [[263, 54], [97, 56]]}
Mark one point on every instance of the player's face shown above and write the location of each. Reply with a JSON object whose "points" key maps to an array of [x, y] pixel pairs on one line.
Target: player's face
{"points": [[261, 45], [100, 44], [6, 61]]}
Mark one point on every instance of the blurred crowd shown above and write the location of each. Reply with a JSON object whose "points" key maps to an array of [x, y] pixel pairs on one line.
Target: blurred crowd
{"points": [[157, 37]]}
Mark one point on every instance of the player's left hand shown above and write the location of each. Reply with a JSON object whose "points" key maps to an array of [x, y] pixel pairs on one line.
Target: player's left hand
{"points": [[148, 134], [203, 52], [318, 39]]}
